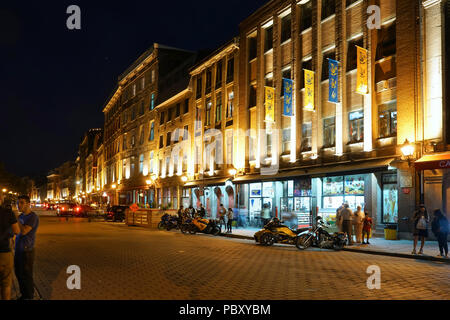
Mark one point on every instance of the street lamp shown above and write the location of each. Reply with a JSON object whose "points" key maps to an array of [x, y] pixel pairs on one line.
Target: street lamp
{"points": [[408, 151], [232, 171], [184, 179], [4, 190], [114, 186]]}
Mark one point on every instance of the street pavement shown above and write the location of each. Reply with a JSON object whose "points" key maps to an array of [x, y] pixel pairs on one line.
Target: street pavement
{"points": [[127, 263]]}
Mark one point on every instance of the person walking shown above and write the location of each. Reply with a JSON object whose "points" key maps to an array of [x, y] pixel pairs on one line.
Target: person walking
{"points": [[367, 227], [347, 216], [358, 219], [8, 228], [265, 214], [222, 213], [230, 217], [25, 252], [440, 227], [339, 217], [420, 221]]}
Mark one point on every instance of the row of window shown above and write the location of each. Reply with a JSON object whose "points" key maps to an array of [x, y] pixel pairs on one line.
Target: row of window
{"points": [[174, 112], [219, 75]]}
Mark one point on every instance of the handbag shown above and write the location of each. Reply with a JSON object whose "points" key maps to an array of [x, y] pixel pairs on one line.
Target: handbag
{"points": [[421, 224]]}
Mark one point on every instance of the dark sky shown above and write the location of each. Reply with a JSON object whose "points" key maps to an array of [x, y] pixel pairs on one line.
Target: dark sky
{"points": [[54, 82]]}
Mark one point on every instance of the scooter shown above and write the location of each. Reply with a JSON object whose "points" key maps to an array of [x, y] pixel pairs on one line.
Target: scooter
{"points": [[318, 236], [275, 232]]}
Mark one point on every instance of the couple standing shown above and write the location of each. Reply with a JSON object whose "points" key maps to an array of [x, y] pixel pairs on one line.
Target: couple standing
{"points": [[346, 220], [24, 226]]}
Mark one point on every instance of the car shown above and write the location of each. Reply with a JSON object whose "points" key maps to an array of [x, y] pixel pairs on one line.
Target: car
{"points": [[65, 209], [116, 213], [81, 210]]}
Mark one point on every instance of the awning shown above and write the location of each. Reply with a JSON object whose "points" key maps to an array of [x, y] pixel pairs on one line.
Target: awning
{"points": [[433, 161], [353, 167], [207, 182]]}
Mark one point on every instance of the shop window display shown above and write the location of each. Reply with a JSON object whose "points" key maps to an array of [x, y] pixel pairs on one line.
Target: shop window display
{"points": [[296, 207], [390, 199]]}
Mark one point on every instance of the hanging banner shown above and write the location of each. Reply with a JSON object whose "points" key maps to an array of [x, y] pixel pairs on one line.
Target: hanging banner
{"points": [[333, 93], [270, 104], [288, 85], [362, 76], [309, 90]]}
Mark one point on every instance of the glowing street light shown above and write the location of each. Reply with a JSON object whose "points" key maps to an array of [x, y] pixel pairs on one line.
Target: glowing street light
{"points": [[114, 186], [407, 149], [184, 179]]}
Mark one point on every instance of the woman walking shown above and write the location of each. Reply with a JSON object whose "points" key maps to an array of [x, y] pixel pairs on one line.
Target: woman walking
{"points": [[420, 221], [439, 226]]}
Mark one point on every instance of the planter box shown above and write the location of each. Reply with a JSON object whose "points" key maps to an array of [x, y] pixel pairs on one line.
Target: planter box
{"points": [[147, 218]]}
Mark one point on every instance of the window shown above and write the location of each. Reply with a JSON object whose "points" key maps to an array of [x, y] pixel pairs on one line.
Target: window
{"points": [[252, 48], [124, 144], [219, 108], [230, 70], [168, 138], [306, 136], [268, 38], [142, 109], [199, 87], [152, 101], [133, 112], [230, 105], [352, 55], [219, 74], [133, 140], [142, 83], [252, 96], [141, 163], [390, 198], [269, 80], [325, 68], [161, 119], [141, 137], [286, 135], [134, 89], [229, 155], [387, 117], [132, 166], [153, 76], [161, 142], [386, 42], [178, 111], [337, 190], [252, 139], [269, 143], [286, 28], [306, 64], [198, 119], [208, 112], [356, 126], [286, 74], [328, 8], [185, 133], [169, 114], [208, 81], [151, 137], [186, 106], [151, 162], [176, 135], [329, 132], [306, 16]]}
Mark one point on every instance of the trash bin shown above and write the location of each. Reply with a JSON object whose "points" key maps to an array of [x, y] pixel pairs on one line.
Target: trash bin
{"points": [[390, 232]]}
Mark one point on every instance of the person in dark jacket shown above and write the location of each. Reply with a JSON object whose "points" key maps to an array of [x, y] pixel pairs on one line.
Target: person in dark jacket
{"points": [[440, 227], [420, 220]]}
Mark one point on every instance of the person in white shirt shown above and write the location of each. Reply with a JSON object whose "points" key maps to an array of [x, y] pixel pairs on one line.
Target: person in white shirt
{"points": [[358, 219]]}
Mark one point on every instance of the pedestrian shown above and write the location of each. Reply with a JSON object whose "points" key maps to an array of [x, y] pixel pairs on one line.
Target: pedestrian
{"points": [[25, 252], [180, 215], [358, 219], [191, 211], [265, 214], [230, 217], [339, 217], [440, 227], [8, 228], [201, 211], [222, 213], [420, 221], [347, 216], [367, 227]]}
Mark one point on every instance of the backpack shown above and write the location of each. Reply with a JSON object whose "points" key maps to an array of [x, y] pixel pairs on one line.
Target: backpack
{"points": [[421, 224]]}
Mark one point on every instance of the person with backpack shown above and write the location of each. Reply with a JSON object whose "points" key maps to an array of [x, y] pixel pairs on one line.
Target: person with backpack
{"points": [[420, 221], [440, 227]]}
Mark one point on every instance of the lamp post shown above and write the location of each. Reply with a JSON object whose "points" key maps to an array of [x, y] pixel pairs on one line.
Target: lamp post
{"points": [[408, 150]]}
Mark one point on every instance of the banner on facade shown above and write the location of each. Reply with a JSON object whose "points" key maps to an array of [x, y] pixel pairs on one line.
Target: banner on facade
{"points": [[270, 104], [309, 90], [288, 85], [333, 90], [362, 79]]}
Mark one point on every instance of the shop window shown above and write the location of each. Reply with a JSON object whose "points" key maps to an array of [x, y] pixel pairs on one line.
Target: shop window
{"points": [[268, 38], [387, 119], [219, 108], [328, 8], [306, 136], [252, 48], [386, 41], [329, 132], [208, 82], [230, 70], [390, 198], [306, 16], [356, 126], [325, 68], [219, 74], [286, 28], [352, 53], [338, 190], [199, 87], [208, 112]]}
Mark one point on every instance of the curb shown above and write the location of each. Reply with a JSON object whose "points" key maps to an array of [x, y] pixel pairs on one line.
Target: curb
{"points": [[380, 253]]}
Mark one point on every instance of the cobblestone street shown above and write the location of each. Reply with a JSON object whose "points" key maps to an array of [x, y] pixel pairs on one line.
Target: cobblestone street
{"points": [[121, 262]]}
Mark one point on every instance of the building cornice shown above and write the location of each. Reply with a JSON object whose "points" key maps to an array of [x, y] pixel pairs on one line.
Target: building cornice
{"points": [[211, 61]]}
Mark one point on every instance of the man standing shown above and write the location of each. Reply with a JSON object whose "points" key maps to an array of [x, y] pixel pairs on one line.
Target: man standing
{"points": [[222, 213], [347, 218], [24, 255], [339, 217], [201, 211], [8, 227]]}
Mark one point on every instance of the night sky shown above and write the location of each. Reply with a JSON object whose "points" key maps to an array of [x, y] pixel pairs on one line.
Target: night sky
{"points": [[54, 81]]}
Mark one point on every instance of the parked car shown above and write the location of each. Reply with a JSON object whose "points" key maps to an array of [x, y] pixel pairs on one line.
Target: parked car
{"points": [[116, 213], [81, 210], [65, 209]]}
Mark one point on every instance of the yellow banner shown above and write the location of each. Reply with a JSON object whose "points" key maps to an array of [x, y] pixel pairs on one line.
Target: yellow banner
{"points": [[270, 104], [362, 79], [309, 90]]}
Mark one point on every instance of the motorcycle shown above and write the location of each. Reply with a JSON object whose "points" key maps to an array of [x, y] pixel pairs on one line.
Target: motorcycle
{"points": [[208, 226], [275, 232], [168, 222], [318, 236]]}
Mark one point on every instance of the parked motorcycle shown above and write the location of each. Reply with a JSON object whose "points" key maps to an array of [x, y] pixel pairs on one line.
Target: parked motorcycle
{"points": [[208, 226], [168, 222], [318, 236], [275, 232]]}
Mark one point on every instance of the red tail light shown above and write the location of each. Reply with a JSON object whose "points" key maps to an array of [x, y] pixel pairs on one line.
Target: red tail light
{"points": [[78, 209], [63, 209]]}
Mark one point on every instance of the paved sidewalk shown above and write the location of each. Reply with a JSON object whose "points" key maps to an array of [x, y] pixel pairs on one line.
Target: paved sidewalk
{"points": [[379, 246]]}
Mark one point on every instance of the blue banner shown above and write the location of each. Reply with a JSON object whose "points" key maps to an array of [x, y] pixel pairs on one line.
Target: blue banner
{"points": [[333, 90], [288, 85]]}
